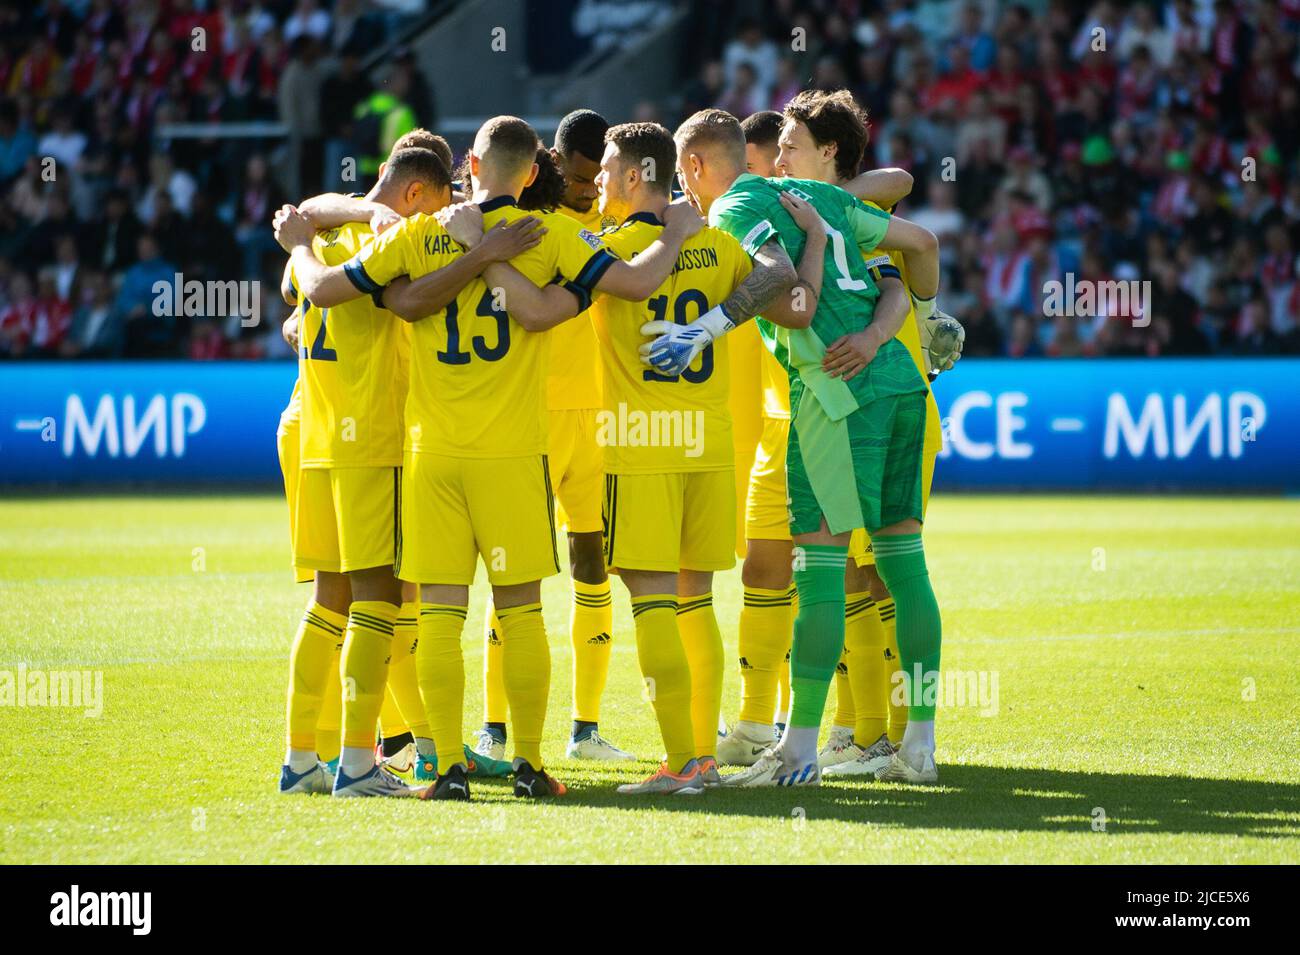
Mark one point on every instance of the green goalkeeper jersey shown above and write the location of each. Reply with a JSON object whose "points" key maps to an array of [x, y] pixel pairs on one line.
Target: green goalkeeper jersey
{"points": [[751, 211]]}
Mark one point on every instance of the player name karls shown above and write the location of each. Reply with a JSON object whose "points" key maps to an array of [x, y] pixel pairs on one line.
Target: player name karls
{"points": [[631, 428]]}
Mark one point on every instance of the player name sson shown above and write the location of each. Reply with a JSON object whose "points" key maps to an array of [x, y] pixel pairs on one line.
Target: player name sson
{"points": [[103, 908], [626, 428]]}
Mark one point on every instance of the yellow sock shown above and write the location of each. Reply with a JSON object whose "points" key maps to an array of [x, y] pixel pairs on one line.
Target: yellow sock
{"points": [[765, 623], [897, 708], [364, 668], [329, 725], [390, 716], [864, 636], [403, 685], [845, 709], [314, 646], [440, 669], [526, 666], [591, 629], [666, 672], [495, 708], [702, 641]]}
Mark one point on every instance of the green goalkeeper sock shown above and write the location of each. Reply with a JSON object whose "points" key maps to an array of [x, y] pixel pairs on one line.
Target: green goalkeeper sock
{"points": [[818, 632], [900, 561]]}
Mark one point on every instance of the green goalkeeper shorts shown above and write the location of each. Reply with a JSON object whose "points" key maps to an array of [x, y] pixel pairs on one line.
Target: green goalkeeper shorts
{"points": [[862, 471]]}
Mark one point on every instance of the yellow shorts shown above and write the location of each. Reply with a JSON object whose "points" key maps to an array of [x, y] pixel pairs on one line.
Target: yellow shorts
{"points": [[346, 518], [767, 505], [577, 465], [860, 543], [455, 510], [286, 447], [685, 520]]}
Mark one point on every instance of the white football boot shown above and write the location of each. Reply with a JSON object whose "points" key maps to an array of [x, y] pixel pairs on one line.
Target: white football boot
{"points": [[596, 747], [316, 781], [745, 744], [901, 770], [770, 771], [869, 762], [839, 748], [485, 744]]}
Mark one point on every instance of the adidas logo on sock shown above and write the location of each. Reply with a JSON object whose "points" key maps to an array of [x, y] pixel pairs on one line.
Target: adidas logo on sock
{"points": [[600, 639], [745, 664], [493, 638], [842, 668]]}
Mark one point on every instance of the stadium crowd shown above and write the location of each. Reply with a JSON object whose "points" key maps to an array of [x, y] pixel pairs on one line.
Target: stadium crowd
{"points": [[1049, 141]]}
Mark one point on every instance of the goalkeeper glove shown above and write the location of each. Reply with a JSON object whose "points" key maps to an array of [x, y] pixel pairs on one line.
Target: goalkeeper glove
{"points": [[942, 336], [676, 346]]}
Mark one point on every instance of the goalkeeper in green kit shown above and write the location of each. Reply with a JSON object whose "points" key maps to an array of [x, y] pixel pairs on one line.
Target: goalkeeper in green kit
{"points": [[858, 419]]}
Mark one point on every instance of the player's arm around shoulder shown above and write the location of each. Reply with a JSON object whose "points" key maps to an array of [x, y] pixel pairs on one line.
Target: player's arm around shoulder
{"points": [[322, 285], [330, 210], [884, 187], [797, 308], [463, 253], [636, 281], [848, 355]]}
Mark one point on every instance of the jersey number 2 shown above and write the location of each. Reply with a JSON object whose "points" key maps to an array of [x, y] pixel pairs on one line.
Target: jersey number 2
{"points": [[318, 350]]}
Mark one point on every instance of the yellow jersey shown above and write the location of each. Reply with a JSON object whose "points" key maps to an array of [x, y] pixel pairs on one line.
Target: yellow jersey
{"points": [[479, 380], [746, 348], [574, 379], [652, 423], [910, 336], [352, 363]]}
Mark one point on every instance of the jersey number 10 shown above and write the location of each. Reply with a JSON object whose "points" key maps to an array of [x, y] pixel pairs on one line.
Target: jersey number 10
{"points": [[659, 308]]}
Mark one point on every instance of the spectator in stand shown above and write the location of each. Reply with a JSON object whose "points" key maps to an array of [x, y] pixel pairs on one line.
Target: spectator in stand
{"points": [[300, 111], [742, 95], [258, 199], [752, 49], [19, 318], [96, 330], [307, 20], [148, 335], [341, 93], [112, 245]]}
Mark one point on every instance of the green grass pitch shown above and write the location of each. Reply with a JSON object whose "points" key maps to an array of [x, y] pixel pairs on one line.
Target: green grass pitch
{"points": [[1145, 650]]}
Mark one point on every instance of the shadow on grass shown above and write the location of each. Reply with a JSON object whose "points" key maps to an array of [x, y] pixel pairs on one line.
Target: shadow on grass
{"points": [[988, 797]]}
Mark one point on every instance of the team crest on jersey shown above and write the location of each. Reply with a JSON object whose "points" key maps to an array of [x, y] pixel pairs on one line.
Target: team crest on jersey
{"points": [[589, 238]]}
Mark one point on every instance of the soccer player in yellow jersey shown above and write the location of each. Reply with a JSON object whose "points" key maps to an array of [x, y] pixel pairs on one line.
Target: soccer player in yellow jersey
{"points": [[670, 494], [767, 613], [577, 474], [475, 482], [669, 509], [824, 137], [404, 729], [352, 370]]}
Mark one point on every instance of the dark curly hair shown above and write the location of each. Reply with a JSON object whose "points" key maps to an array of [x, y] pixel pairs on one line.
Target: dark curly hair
{"points": [[543, 195], [547, 190]]}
